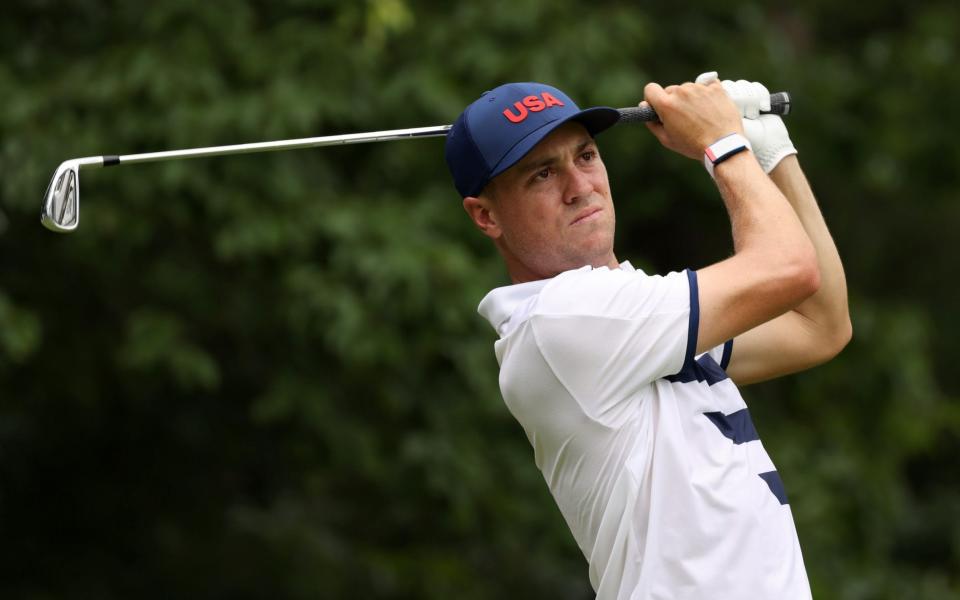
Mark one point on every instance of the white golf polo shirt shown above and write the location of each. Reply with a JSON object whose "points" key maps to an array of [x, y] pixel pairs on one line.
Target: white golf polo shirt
{"points": [[648, 450]]}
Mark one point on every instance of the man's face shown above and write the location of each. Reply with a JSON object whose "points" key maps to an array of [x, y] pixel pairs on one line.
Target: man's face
{"points": [[552, 211]]}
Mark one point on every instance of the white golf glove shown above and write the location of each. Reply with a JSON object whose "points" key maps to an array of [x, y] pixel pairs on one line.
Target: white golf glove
{"points": [[766, 133], [771, 142]]}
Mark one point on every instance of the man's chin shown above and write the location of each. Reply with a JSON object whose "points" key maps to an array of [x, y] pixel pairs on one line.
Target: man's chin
{"points": [[597, 251]]}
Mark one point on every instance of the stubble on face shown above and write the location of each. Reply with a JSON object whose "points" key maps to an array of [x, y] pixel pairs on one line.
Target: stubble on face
{"points": [[555, 208]]}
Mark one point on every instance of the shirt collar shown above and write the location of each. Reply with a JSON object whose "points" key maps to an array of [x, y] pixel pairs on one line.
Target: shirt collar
{"points": [[501, 303]]}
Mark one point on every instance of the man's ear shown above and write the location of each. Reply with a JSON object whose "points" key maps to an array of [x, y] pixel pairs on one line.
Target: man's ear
{"points": [[483, 214]]}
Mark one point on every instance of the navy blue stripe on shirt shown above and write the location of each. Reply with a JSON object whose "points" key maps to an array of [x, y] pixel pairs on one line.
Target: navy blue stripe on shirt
{"points": [[727, 351], [776, 485], [704, 368], [693, 324], [737, 426], [701, 369]]}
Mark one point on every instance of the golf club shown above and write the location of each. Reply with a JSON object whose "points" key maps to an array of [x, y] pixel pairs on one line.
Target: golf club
{"points": [[61, 202]]}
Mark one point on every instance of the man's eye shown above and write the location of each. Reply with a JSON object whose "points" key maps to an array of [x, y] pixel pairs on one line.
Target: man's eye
{"points": [[542, 174], [588, 155]]}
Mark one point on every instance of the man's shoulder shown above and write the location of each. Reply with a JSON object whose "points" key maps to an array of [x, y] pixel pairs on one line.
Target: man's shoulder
{"points": [[560, 290], [587, 291], [603, 291]]}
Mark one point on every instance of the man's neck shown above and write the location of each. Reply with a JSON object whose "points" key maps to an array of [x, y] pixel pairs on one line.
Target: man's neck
{"points": [[520, 273]]}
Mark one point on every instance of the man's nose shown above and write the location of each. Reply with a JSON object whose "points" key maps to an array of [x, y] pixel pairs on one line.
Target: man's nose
{"points": [[579, 186]]}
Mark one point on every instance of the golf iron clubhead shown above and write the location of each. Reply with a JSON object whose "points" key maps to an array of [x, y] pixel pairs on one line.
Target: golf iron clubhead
{"points": [[61, 202]]}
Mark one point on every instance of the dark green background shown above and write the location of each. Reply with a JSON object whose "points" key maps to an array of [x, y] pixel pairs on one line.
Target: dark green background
{"points": [[264, 376]]}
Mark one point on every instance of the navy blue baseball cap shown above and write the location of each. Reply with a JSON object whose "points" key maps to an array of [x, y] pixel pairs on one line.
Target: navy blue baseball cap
{"points": [[500, 127]]}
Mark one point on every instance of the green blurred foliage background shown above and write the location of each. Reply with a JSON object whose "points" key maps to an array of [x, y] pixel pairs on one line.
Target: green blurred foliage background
{"points": [[263, 376]]}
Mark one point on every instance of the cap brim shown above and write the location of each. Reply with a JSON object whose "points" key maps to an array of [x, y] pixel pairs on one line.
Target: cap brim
{"points": [[595, 119]]}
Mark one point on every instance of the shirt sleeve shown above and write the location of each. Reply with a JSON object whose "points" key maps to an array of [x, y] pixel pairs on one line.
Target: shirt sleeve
{"points": [[608, 333], [721, 354]]}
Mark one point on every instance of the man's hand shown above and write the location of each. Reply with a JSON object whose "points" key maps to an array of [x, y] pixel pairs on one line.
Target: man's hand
{"points": [[692, 116], [770, 140], [767, 133], [751, 97]]}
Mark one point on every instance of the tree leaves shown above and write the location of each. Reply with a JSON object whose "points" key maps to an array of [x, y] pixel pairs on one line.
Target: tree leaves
{"points": [[264, 375]]}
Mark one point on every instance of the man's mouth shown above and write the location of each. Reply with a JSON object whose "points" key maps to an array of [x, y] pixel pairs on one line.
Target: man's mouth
{"points": [[587, 215]]}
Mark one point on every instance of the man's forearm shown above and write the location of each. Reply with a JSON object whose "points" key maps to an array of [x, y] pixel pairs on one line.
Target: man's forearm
{"points": [[774, 263], [827, 308]]}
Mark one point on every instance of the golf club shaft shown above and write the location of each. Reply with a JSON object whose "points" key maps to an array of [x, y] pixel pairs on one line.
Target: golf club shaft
{"points": [[779, 104], [312, 142]]}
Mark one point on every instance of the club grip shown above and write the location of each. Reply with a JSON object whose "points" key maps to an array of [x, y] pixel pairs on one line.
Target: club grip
{"points": [[779, 105]]}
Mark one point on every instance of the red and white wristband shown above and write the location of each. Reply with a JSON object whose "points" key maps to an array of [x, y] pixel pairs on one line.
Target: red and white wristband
{"points": [[723, 149]]}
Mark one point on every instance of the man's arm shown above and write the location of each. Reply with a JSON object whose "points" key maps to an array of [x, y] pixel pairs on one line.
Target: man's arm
{"points": [[819, 327], [774, 267]]}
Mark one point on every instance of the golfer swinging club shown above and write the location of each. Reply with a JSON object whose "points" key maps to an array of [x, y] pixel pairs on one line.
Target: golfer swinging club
{"points": [[626, 383]]}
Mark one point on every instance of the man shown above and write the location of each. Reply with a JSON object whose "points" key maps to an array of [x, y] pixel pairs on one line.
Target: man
{"points": [[624, 382]]}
